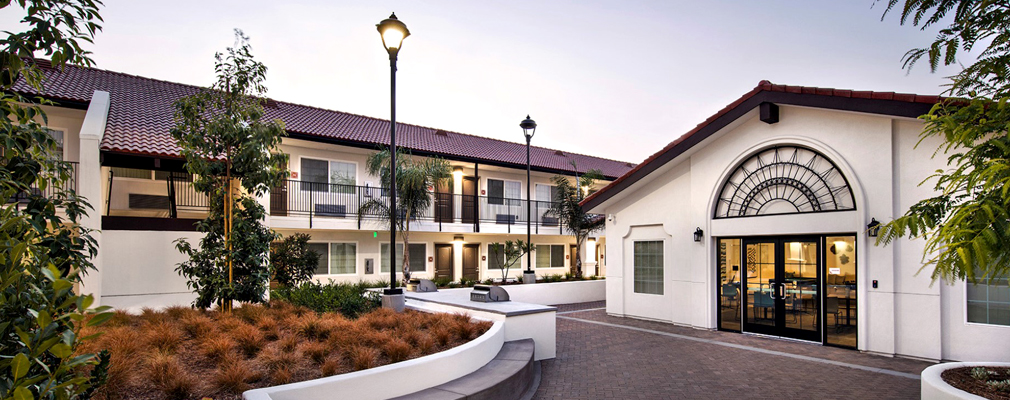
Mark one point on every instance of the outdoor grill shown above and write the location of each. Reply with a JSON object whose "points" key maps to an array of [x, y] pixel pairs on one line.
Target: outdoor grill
{"points": [[486, 294]]}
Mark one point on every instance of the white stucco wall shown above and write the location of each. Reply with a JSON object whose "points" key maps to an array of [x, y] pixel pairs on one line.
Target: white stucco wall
{"points": [[138, 269], [904, 315]]}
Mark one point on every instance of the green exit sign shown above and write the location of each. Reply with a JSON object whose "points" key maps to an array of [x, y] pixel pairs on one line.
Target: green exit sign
{"points": [[375, 234]]}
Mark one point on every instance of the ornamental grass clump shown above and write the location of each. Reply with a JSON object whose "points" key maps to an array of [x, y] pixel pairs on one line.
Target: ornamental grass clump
{"points": [[209, 354]]}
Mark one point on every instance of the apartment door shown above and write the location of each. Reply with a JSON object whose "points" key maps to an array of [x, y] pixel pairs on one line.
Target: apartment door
{"points": [[471, 266], [279, 200], [443, 261], [782, 295], [443, 201], [573, 256], [469, 199]]}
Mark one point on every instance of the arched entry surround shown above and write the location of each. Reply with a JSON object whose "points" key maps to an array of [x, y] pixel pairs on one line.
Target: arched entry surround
{"points": [[853, 221]]}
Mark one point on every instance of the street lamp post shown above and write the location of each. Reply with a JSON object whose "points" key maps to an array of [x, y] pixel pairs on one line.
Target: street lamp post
{"points": [[529, 129], [393, 32]]}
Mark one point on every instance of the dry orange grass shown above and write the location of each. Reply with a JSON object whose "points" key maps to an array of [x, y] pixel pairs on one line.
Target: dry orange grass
{"points": [[184, 353]]}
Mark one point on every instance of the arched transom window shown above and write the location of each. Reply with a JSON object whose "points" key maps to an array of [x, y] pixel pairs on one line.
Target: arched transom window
{"points": [[784, 180]]}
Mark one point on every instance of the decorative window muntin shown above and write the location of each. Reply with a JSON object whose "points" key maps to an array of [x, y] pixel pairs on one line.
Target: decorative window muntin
{"points": [[784, 180]]}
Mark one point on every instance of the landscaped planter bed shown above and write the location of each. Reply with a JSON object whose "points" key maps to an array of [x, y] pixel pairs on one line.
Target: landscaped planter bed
{"points": [[185, 353], [955, 381], [962, 379]]}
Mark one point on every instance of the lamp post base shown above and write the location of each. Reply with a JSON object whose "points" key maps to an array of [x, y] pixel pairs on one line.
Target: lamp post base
{"points": [[529, 277], [393, 299]]}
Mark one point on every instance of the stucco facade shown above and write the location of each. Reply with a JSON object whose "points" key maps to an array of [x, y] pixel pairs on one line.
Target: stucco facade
{"points": [[899, 310]]}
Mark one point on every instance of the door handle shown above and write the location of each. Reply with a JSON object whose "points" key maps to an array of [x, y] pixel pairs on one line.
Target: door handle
{"points": [[780, 291]]}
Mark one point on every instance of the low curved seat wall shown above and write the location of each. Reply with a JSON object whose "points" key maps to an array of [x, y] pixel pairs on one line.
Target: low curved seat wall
{"points": [[510, 375], [934, 388], [559, 292], [397, 379]]}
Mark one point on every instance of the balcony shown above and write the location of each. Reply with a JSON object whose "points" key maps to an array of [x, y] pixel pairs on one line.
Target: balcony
{"points": [[48, 191], [333, 201]]}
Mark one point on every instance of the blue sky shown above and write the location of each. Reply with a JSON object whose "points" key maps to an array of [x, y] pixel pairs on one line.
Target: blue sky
{"points": [[616, 79]]}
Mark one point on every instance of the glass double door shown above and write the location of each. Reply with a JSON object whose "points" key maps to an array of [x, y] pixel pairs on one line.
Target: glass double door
{"points": [[781, 294]]}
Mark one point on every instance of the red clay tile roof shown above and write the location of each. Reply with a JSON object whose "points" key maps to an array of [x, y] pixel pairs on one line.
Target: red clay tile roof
{"points": [[887, 103], [140, 116]]}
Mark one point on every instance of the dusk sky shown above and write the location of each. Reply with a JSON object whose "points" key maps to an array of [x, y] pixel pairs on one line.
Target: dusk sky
{"points": [[615, 79]]}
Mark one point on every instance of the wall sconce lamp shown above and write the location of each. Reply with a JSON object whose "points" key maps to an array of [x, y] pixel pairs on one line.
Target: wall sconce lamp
{"points": [[873, 228], [457, 239], [698, 234], [457, 172]]}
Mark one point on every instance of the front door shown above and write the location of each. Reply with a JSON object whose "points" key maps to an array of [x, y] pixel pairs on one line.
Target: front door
{"points": [[471, 269], [469, 199], [781, 280], [443, 201], [443, 261]]}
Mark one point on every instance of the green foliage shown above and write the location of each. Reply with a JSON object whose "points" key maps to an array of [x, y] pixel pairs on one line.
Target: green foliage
{"points": [[43, 253], [349, 299], [413, 178], [972, 23], [513, 253], [569, 212], [966, 224], [980, 373], [441, 281], [223, 134], [291, 260]]}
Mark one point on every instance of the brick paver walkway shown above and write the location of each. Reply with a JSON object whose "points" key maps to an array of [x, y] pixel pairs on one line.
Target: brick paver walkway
{"points": [[597, 361]]}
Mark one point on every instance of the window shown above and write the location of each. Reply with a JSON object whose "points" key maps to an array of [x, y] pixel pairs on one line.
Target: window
{"points": [[335, 258], [499, 190], [58, 138], [550, 256], [495, 261], [343, 258], [548, 193], [322, 249], [989, 302], [322, 174], [649, 267], [418, 257]]}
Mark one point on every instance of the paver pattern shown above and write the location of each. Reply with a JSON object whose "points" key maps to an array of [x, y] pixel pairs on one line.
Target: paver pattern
{"points": [[602, 362]]}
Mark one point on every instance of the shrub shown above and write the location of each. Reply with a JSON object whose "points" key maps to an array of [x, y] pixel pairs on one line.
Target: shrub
{"points": [[441, 334], [197, 326], [316, 351], [164, 336], [250, 313], [351, 300], [235, 377], [170, 377], [332, 366], [980, 373], [249, 340], [363, 357], [288, 343], [281, 376], [217, 348], [397, 350], [425, 344], [291, 261], [311, 327], [442, 281], [274, 358], [270, 328]]}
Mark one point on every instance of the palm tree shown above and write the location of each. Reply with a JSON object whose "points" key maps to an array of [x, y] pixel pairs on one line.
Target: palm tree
{"points": [[573, 218], [413, 178]]}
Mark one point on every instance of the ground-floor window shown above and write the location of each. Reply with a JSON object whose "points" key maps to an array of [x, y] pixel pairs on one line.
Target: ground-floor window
{"points": [[989, 302], [418, 257], [648, 272], [335, 258], [550, 255]]}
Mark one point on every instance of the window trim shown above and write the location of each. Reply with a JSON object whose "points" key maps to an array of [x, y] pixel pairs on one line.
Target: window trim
{"points": [[488, 189], [66, 132], [564, 251], [538, 197], [357, 167], [964, 309], [329, 268], [663, 280], [378, 270]]}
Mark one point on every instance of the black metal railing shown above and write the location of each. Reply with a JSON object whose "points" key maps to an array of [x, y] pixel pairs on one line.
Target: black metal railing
{"points": [[50, 189], [325, 200], [182, 196]]}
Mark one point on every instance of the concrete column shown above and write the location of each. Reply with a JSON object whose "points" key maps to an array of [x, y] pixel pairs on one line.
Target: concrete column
{"points": [[89, 184]]}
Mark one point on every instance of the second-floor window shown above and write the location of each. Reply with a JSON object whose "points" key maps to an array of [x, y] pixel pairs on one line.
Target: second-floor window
{"points": [[58, 138], [498, 190], [328, 176]]}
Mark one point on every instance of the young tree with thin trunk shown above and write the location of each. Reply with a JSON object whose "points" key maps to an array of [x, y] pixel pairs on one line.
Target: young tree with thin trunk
{"points": [[232, 152], [413, 180]]}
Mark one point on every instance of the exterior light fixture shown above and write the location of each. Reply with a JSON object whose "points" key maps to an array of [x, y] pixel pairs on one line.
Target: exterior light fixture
{"points": [[457, 239], [873, 228], [698, 234], [392, 32], [457, 172]]}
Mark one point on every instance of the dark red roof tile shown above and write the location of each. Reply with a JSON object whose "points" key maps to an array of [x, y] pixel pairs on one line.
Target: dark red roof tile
{"points": [[141, 114]]}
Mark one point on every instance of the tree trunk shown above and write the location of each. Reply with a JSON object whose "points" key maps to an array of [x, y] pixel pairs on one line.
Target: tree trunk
{"points": [[406, 248]]}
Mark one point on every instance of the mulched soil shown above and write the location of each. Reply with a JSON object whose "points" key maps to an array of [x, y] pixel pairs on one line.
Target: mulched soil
{"points": [[181, 353], [961, 378]]}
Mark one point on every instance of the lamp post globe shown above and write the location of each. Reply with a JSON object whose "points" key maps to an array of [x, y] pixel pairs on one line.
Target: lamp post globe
{"points": [[529, 129], [392, 31]]}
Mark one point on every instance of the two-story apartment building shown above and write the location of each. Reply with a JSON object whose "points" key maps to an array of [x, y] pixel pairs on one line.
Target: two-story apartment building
{"points": [[115, 128]]}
